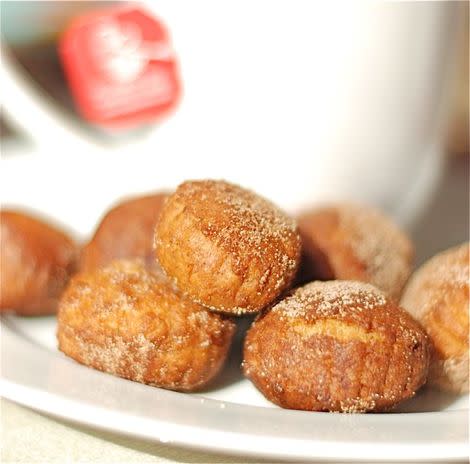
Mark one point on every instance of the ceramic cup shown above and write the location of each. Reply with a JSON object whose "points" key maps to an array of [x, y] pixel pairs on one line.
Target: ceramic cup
{"points": [[303, 102]]}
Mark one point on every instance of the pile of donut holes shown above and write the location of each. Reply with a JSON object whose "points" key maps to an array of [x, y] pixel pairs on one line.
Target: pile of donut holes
{"points": [[341, 322]]}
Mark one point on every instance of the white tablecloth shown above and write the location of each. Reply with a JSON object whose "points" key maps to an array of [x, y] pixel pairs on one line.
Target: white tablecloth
{"points": [[29, 437]]}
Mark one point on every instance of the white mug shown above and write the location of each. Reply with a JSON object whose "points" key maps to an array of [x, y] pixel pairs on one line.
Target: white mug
{"points": [[302, 102]]}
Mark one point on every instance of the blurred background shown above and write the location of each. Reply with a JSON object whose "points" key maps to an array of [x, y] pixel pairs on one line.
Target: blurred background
{"points": [[304, 103]]}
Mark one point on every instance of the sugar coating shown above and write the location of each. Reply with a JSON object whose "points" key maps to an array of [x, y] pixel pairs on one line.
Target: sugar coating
{"points": [[336, 345], [113, 354], [330, 298], [250, 224], [127, 320], [437, 279], [437, 295], [357, 405], [136, 287], [378, 243], [242, 245]]}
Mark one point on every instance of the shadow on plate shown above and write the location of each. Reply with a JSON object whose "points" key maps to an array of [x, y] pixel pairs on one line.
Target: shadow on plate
{"points": [[232, 372], [429, 400]]}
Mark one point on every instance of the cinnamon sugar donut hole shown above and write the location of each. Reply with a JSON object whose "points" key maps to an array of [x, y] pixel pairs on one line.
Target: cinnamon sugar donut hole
{"points": [[437, 295], [336, 346], [37, 260], [127, 320], [125, 232], [226, 247], [354, 242]]}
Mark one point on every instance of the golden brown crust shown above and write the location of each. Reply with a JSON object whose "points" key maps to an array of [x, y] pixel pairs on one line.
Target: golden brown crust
{"points": [[125, 232], [353, 242], [126, 320], [437, 295], [37, 260], [336, 346], [226, 247]]}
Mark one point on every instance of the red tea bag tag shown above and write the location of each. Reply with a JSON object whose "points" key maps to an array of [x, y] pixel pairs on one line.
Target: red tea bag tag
{"points": [[120, 66]]}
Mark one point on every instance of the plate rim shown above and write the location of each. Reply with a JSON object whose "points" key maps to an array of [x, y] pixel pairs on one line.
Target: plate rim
{"points": [[69, 407]]}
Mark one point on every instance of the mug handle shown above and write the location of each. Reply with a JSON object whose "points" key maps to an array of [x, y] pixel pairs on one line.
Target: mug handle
{"points": [[31, 111]]}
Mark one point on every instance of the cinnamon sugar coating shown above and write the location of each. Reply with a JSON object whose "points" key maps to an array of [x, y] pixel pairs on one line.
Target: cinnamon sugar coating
{"points": [[125, 232], [226, 247], [437, 295], [129, 321], [37, 260], [336, 346], [354, 242]]}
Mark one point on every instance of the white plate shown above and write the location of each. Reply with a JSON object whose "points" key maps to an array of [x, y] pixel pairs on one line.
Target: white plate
{"points": [[232, 417]]}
